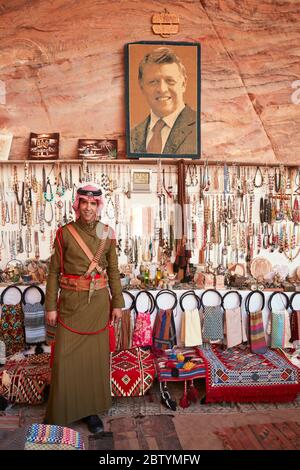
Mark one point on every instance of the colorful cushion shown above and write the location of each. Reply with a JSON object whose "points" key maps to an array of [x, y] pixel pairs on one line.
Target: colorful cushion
{"points": [[132, 372], [190, 366], [52, 437]]}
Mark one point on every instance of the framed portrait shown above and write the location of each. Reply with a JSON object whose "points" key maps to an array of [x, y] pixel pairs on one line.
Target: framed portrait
{"points": [[163, 91]]}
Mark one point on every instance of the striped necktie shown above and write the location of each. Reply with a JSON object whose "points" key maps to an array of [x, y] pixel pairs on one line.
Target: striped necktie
{"points": [[155, 143]]}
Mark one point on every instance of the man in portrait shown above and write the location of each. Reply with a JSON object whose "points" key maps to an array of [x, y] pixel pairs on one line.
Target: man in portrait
{"points": [[171, 126]]}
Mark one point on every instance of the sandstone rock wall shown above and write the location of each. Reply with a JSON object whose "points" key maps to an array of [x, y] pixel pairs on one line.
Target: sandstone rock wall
{"points": [[62, 65]]}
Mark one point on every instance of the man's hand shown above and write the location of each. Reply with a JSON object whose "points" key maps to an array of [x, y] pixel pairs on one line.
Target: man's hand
{"points": [[51, 318], [116, 314]]}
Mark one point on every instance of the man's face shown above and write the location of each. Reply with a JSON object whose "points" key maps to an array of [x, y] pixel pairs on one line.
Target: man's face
{"points": [[163, 86], [88, 210]]}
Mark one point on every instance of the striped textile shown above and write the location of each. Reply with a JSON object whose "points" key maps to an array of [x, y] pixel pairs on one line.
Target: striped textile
{"points": [[164, 332], [34, 322], [10, 422], [257, 333], [52, 437], [164, 371], [123, 331]]}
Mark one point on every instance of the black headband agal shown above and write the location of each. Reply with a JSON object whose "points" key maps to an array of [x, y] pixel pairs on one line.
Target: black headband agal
{"points": [[88, 192]]}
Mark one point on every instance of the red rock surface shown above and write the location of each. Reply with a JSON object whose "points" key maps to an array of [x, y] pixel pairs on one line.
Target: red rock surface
{"points": [[63, 66]]}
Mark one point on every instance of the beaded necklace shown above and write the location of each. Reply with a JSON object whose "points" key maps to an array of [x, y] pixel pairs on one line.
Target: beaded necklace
{"points": [[28, 245], [49, 205], [48, 196]]}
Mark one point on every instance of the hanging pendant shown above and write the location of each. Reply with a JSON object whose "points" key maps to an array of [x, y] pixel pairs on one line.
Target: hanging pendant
{"points": [[258, 179]]}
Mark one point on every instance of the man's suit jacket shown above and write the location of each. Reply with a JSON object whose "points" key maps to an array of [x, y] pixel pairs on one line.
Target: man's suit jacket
{"points": [[182, 138]]}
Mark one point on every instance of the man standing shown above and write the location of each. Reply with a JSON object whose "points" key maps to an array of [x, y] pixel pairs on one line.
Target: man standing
{"points": [[80, 384], [171, 127]]}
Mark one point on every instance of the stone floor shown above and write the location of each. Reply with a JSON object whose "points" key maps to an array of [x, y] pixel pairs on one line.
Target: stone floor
{"points": [[194, 427]]}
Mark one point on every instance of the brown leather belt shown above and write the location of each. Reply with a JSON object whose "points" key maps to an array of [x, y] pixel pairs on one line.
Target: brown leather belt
{"points": [[81, 284]]}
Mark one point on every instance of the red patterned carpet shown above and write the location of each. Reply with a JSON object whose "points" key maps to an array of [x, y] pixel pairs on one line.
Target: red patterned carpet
{"points": [[237, 375], [269, 436]]}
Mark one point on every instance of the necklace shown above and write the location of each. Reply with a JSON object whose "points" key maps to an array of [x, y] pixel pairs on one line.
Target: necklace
{"points": [[74, 187], [67, 182], [12, 245], [28, 246], [226, 179], [44, 179], [36, 245], [258, 180], [169, 193], [20, 200], [60, 188], [110, 208], [48, 196], [20, 246], [48, 221], [71, 178], [65, 218], [277, 179], [34, 182], [290, 256], [70, 218]]}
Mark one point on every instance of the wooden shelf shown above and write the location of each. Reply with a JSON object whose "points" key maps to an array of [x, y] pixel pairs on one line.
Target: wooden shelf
{"points": [[148, 161], [143, 161]]}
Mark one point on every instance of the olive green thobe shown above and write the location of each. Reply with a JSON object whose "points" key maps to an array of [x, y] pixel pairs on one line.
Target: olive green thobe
{"points": [[80, 383]]}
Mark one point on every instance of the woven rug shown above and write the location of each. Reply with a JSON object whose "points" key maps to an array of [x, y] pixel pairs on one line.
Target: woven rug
{"points": [[25, 380], [237, 375], [269, 436], [10, 423]]}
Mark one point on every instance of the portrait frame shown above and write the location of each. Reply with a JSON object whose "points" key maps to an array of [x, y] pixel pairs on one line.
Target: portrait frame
{"points": [[184, 139]]}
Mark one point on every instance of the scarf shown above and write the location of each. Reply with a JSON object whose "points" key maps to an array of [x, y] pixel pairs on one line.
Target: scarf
{"points": [[233, 326], [213, 328], [34, 321], [142, 334], [192, 328], [164, 332], [287, 331], [257, 333], [12, 328], [123, 331], [278, 329], [295, 325]]}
